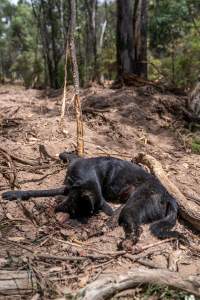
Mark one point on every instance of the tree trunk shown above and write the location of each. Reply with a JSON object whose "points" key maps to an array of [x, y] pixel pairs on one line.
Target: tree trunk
{"points": [[132, 37], [140, 20], [125, 51], [92, 8], [55, 60], [47, 15]]}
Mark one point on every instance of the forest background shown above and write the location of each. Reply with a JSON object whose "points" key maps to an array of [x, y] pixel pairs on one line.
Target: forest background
{"points": [[33, 38]]}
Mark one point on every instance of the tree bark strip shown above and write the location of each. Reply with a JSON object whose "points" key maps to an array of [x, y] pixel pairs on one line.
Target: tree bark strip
{"points": [[77, 102]]}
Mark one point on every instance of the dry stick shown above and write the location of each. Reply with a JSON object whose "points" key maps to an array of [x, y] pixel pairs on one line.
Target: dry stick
{"points": [[65, 85], [109, 285], [156, 244], [148, 263], [67, 242], [189, 211], [79, 120], [20, 160], [71, 258], [7, 242], [136, 253], [145, 254], [43, 151], [112, 254], [41, 178], [11, 176], [55, 257], [28, 214], [113, 154], [80, 141]]}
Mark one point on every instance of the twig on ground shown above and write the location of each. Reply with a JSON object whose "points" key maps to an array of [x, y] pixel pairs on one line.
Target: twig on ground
{"points": [[10, 174], [102, 264], [41, 178], [18, 159], [28, 214], [156, 244], [43, 152], [142, 255], [71, 258], [15, 244], [148, 263], [67, 242]]}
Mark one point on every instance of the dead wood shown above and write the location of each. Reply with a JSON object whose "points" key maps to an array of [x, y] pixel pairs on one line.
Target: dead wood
{"points": [[189, 117], [19, 282], [18, 159], [4, 92], [109, 285], [65, 84], [28, 214], [23, 282], [45, 154], [134, 80], [10, 172], [148, 263], [72, 258], [131, 79], [79, 122], [75, 73], [189, 211], [16, 282]]}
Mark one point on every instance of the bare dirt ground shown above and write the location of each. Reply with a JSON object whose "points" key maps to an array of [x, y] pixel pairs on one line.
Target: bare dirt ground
{"points": [[117, 122]]}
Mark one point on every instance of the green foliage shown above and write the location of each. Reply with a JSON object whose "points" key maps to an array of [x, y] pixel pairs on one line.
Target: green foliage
{"points": [[23, 34], [6, 11], [157, 292], [107, 58], [168, 21], [164, 293], [175, 41], [20, 56], [186, 62], [28, 69], [195, 145]]}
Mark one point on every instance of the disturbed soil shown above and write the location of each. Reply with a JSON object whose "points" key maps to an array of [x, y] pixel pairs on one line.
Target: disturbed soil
{"points": [[117, 122]]}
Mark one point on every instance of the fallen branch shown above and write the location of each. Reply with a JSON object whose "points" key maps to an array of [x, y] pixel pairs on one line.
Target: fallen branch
{"points": [[75, 73], [10, 172], [18, 159], [107, 287], [71, 258], [22, 282], [189, 211], [43, 152], [131, 79]]}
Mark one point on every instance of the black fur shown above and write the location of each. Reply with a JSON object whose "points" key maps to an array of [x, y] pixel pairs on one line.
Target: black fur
{"points": [[99, 180], [91, 182], [26, 195], [150, 203]]}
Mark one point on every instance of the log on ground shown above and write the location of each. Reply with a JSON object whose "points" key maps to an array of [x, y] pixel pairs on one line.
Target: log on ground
{"points": [[107, 287], [17, 282]]}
